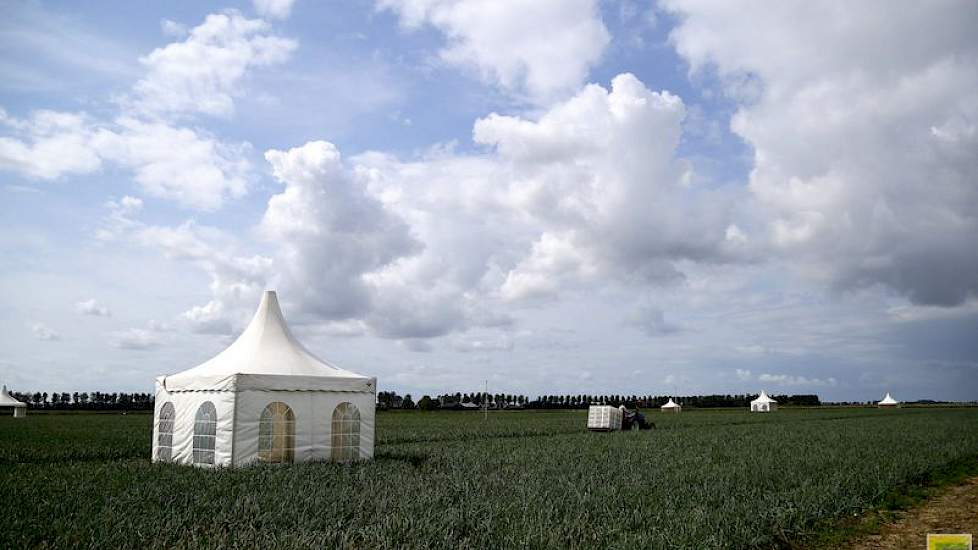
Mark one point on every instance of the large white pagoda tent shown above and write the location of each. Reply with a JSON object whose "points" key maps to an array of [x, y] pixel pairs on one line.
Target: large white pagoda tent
{"points": [[7, 401], [888, 401], [265, 398], [763, 403]]}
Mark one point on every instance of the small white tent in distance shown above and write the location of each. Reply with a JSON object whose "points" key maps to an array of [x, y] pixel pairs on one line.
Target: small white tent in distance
{"points": [[763, 403], [888, 401], [265, 398], [671, 407], [7, 401]]}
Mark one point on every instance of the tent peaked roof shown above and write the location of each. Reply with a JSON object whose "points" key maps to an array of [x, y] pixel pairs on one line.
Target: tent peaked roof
{"points": [[888, 400], [763, 398], [670, 405], [265, 348], [7, 400]]}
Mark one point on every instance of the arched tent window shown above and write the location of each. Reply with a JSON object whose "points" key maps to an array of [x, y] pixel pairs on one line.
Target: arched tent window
{"points": [[276, 433], [164, 433], [205, 433], [346, 432]]}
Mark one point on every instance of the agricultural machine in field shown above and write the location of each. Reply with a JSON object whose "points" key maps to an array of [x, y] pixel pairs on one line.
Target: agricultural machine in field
{"points": [[605, 418]]}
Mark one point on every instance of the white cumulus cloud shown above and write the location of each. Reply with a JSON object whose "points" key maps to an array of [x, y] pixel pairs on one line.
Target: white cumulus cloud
{"points": [[171, 162], [330, 230], [202, 73], [600, 172], [93, 308], [180, 164], [54, 144], [543, 48], [274, 9], [589, 190]]}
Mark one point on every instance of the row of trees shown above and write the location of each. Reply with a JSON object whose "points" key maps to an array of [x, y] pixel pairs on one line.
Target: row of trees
{"points": [[102, 401], [391, 400]]}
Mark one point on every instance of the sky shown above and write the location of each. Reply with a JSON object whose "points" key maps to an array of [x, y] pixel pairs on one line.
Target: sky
{"points": [[558, 196]]}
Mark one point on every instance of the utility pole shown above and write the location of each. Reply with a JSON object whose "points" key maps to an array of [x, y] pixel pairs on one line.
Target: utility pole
{"points": [[485, 403]]}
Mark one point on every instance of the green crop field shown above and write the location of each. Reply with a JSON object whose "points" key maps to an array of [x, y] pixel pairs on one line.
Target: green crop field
{"points": [[724, 479]]}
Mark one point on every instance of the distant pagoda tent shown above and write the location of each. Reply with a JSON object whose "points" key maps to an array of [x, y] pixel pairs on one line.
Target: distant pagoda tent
{"points": [[888, 402], [763, 403], [7, 401], [265, 398], [671, 407]]}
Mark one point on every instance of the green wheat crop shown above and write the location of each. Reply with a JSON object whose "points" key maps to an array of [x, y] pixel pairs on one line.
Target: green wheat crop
{"points": [[714, 479]]}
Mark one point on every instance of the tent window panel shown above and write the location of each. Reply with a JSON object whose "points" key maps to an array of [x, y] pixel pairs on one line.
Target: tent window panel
{"points": [[164, 433], [276, 434], [205, 433], [346, 432]]}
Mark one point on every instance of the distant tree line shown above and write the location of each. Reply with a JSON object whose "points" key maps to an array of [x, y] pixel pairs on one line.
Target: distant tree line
{"points": [[85, 401], [655, 401], [475, 400], [120, 401]]}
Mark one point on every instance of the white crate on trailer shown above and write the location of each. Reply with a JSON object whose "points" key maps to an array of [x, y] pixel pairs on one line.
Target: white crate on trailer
{"points": [[603, 418]]}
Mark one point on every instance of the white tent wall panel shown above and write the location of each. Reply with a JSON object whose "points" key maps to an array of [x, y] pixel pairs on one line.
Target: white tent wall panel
{"points": [[185, 406], [366, 403], [313, 422], [239, 417], [250, 406]]}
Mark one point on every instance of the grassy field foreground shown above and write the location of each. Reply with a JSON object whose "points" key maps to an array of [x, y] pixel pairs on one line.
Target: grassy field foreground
{"points": [[528, 479]]}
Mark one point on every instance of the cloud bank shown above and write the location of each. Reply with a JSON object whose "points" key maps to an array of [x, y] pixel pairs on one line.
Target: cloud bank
{"points": [[864, 134]]}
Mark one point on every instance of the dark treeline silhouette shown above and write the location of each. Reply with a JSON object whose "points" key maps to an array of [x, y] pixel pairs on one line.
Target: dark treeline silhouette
{"points": [[102, 401], [476, 400], [86, 401], [652, 401], [459, 401]]}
